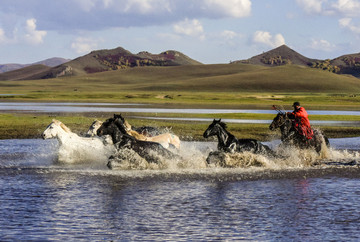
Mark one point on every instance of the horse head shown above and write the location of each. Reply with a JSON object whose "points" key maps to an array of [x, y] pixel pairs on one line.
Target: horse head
{"points": [[118, 116], [113, 127], [278, 121], [109, 128], [214, 128], [93, 128], [53, 129]]}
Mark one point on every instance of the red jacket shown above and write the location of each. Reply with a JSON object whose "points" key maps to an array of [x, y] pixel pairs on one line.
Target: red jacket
{"points": [[302, 123]]}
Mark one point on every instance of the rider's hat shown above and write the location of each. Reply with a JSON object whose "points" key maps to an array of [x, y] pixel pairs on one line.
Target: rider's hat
{"points": [[296, 104]]}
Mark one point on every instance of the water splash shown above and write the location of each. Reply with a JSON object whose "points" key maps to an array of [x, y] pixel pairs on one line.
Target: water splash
{"points": [[43, 153]]}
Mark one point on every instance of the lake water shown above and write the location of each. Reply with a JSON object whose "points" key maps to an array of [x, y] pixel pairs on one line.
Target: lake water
{"points": [[136, 108], [143, 108], [283, 200]]}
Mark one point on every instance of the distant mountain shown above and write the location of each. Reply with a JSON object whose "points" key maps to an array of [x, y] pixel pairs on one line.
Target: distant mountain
{"points": [[347, 64], [114, 59], [283, 55], [23, 73], [51, 62], [104, 60]]}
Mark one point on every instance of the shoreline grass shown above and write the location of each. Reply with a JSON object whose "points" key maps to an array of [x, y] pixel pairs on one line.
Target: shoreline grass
{"points": [[31, 125]]}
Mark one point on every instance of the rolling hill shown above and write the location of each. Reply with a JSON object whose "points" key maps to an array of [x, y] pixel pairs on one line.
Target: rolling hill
{"points": [[114, 59], [51, 62], [283, 55], [23, 73], [235, 78]]}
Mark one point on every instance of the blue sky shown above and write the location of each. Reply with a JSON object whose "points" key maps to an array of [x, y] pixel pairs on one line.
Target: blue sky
{"points": [[210, 31]]}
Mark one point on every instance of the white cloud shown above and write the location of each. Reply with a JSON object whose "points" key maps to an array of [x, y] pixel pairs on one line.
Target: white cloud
{"points": [[228, 34], [311, 6], [2, 36], [191, 28], [84, 45], [263, 37], [322, 45], [86, 5], [146, 6], [228, 38], [347, 24], [229, 8], [32, 35], [350, 8], [68, 15]]}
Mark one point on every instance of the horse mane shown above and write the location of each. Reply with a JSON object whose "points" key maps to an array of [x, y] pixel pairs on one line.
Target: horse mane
{"points": [[97, 121], [133, 132], [127, 125], [63, 126], [222, 124]]}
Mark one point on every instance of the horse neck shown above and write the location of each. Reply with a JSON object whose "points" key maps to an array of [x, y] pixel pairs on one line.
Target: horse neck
{"points": [[285, 128], [223, 136], [64, 137]]}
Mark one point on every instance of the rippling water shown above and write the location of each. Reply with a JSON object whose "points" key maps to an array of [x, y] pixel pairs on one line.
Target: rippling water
{"points": [[43, 200]]}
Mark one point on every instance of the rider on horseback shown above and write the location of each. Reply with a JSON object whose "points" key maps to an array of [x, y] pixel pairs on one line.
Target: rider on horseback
{"points": [[301, 123]]}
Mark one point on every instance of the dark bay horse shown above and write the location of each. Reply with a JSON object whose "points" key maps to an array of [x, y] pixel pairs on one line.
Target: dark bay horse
{"points": [[229, 143], [152, 152], [289, 137]]}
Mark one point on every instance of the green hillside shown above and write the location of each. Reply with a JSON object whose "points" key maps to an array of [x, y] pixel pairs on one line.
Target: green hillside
{"points": [[199, 78]]}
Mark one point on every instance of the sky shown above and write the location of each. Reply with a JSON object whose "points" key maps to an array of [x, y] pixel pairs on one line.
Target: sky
{"points": [[209, 31]]}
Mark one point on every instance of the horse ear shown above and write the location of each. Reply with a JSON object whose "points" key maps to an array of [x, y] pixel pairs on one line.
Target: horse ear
{"points": [[219, 120]]}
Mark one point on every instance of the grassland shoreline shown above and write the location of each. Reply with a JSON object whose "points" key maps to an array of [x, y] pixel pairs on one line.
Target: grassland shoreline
{"points": [[14, 125], [27, 125]]}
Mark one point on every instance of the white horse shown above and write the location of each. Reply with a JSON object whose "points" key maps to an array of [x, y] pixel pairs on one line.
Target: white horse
{"points": [[73, 148]]}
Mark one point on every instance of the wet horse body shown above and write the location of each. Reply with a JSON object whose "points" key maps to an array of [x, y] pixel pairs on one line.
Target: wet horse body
{"points": [[74, 148], [152, 152], [165, 139], [290, 137], [229, 143]]}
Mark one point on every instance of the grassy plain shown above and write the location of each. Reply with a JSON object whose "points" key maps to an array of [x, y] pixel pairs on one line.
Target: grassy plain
{"points": [[201, 86]]}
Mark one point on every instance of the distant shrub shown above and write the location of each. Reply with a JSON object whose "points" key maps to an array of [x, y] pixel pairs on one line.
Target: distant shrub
{"points": [[326, 66], [275, 61]]}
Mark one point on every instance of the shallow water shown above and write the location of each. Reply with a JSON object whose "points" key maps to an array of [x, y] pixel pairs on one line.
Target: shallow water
{"points": [[43, 200], [136, 108]]}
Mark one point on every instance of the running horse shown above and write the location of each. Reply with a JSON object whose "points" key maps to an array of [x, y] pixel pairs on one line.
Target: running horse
{"points": [[152, 152], [165, 139], [74, 148], [229, 143], [285, 124]]}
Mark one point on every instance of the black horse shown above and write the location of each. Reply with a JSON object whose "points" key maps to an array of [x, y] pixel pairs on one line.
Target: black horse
{"points": [[290, 137], [152, 152], [229, 143]]}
